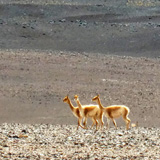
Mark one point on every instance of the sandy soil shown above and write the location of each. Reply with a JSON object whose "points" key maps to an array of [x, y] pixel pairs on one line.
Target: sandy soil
{"points": [[33, 85]]}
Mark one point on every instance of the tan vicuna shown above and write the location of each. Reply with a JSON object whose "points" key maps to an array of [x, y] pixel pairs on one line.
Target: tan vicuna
{"points": [[114, 111], [75, 111], [90, 111]]}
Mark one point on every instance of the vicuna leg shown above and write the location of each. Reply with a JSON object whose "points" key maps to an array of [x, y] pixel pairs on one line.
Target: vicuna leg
{"points": [[85, 123], [114, 122], [79, 123], [101, 123], [108, 121], [94, 122], [127, 121]]}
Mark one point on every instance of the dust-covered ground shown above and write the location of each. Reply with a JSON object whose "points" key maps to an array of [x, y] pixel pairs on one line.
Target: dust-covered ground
{"points": [[35, 75], [33, 85]]}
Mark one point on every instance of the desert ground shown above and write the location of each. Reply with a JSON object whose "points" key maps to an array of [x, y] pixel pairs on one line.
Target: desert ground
{"points": [[53, 48], [33, 85], [50, 49]]}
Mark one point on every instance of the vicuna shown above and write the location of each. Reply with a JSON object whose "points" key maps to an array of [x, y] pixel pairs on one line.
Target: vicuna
{"points": [[114, 111], [90, 111], [75, 111]]}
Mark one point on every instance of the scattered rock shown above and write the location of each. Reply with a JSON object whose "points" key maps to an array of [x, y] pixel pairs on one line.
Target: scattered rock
{"points": [[44, 141], [62, 20]]}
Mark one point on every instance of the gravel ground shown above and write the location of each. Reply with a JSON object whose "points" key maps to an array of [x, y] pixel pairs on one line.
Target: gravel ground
{"points": [[44, 141]]}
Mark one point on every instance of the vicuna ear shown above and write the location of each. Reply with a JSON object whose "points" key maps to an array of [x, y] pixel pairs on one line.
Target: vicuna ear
{"points": [[64, 98], [97, 94]]}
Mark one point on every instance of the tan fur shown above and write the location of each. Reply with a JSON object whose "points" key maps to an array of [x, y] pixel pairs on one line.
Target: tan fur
{"points": [[75, 111], [90, 111], [114, 111]]}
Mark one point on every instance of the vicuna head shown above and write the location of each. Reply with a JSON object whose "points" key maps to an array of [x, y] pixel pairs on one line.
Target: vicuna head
{"points": [[76, 97], [65, 100], [95, 99]]}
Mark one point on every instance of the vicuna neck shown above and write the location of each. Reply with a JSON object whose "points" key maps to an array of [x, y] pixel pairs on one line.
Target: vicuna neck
{"points": [[70, 105], [100, 104], [79, 104]]}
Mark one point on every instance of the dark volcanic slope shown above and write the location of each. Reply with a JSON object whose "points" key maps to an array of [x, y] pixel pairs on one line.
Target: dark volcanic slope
{"points": [[111, 27]]}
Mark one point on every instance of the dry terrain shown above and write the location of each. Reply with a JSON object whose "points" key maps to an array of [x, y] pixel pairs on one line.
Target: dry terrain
{"points": [[33, 85], [50, 142], [51, 48]]}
